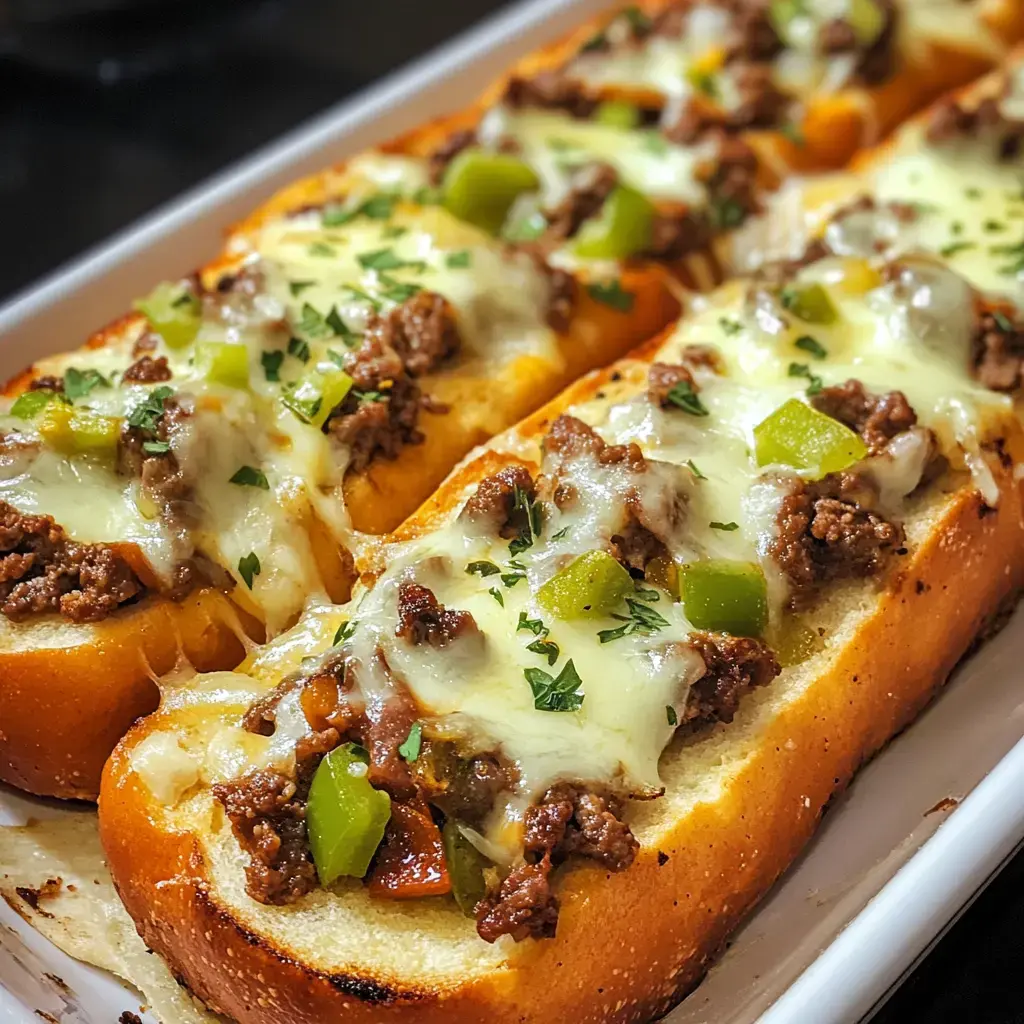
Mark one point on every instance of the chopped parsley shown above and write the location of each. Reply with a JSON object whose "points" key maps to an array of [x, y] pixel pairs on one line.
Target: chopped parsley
{"points": [[394, 231], [654, 142], [683, 396], [812, 346], [954, 247], [727, 213], [377, 207], [639, 22], [272, 365], [78, 383], [298, 348], [535, 626], [560, 534], [517, 573], [322, 249], [147, 413], [340, 328], [249, 568], [972, 193], [410, 749], [497, 595], [555, 693], [156, 447], [250, 476], [526, 512], [387, 259], [345, 632], [30, 403], [670, 714], [611, 293], [397, 291], [482, 568], [729, 327], [814, 382], [794, 132], [458, 260], [1003, 322], [427, 196], [298, 287], [311, 323], [366, 297], [546, 649], [641, 619], [1016, 252], [724, 527], [993, 226], [694, 470]]}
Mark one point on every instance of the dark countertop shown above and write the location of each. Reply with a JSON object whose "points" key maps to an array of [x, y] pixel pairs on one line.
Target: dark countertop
{"points": [[193, 86]]}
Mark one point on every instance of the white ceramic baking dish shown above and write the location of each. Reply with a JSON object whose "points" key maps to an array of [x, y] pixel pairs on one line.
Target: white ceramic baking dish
{"points": [[917, 835]]}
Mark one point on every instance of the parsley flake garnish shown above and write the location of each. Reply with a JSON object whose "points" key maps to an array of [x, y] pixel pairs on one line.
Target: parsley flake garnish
{"points": [[78, 383], [560, 534], [458, 260], [312, 323], [147, 413], [250, 476], [641, 619], [397, 291], [482, 568], [794, 132], [535, 626], [497, 595], [694, 470], [546, 649], [729, 327], [298, 287], [670, 714], [410, 749], [526, 513], [724, 527], [814, 382], [298, 348], [727, 213], [611, 293], [30, 403], [156, 447], [272, 365], [377, 207], [1003, 322], [954, 247], [558, 693], [322, 249], [683, 396], [341, 329], [811, 346], [387, 259], [345, 632], [249, 568]]}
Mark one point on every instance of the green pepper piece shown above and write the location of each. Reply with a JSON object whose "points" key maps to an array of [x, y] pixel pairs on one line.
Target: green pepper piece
{"points": [[725, 596], [77, 431], [315, 395], [622, 228], [173, 312], [480, 187], [223, 363], [592, 584], [30, 404], [798, 435], [867, 20], [617, 114], [465, 868], [345, 815], [809, 302]]}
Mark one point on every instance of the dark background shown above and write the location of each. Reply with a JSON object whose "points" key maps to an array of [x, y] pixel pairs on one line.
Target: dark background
{"points": [[104, 116]]}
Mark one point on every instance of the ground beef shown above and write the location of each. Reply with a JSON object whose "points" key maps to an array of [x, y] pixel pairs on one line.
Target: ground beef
{"points": [[677, 231], [42, 571], [734, 665], [877, 418], [441, 157], [760, 104], [986, 120], [146, 342], [703, 357], [390, 722], [261, 716], [731, 182], [662, 378], [877, 62], [422, 330], [997, 350], [376, 427], [755, 38], [464, 789], [591, 186], [550, 90], [147, 370], [161, 476], [494, 502], [267, 810], [522, 906], [823, 536], [48, 382], [572, 820], [422, 620]]}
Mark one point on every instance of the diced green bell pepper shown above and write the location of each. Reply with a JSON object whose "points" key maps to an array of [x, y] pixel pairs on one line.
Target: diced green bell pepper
{"points": [[592, 584], [223, 363], [30, 404], [867, 19], [480, 187], [809, 302], [173, 312], [316, 394], [617, 114], [465, 868], [77, 431], [798, 435], [622, 228], [345, 815], [725, 596]]}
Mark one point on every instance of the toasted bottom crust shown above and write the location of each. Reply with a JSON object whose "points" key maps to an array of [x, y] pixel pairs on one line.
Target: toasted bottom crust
{"points": [[629, 945], [69, 693]]}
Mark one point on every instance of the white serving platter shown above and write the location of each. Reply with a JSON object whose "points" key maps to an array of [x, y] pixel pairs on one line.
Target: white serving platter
{"points": [[913, 840]]}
